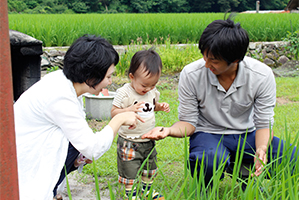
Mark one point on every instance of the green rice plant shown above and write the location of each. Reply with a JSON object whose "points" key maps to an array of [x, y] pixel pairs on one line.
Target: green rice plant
{"points": [[121, 29], [96, 181], [67, 183], [282, 183]]}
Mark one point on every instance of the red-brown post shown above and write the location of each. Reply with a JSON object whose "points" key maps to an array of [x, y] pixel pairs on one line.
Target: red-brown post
{"points": [[9, 188]]}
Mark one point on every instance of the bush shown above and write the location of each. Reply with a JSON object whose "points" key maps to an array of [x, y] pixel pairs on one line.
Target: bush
{"points": [[293, 44], [16, 6], [80, 7], [69, 11]]}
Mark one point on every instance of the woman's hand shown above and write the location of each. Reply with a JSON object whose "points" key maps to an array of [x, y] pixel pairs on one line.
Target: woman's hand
{"points": [[136, 107], [131, 119], [125, 119]]}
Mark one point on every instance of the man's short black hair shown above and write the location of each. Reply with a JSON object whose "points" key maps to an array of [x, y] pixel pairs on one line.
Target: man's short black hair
{"points": [[224, 40], [149, 59], [88, 59]]}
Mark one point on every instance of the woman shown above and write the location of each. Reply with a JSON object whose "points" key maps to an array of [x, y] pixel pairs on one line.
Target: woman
{"points": [[50, 122]]}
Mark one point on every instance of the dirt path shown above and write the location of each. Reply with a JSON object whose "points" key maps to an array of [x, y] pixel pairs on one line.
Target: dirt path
{"points": [[83, 188]]}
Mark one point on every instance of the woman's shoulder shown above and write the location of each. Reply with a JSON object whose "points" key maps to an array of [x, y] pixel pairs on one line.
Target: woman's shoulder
{"points": [[55, 85]]}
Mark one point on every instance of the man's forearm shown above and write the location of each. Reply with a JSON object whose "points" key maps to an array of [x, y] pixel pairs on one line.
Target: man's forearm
{"points": [[263, 139], [180, 129]]}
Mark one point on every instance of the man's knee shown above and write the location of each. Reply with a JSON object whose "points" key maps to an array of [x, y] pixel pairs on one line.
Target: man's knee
{"points": [[207, 161]]}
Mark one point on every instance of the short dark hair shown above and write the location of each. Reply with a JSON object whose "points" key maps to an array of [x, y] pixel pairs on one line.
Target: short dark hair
{"points": [[224, 40], [149, 59], [88, 59]]}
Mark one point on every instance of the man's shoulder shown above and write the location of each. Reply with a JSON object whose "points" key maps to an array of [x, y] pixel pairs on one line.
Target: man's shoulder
{"points": [[255, 66], [195, 67]]}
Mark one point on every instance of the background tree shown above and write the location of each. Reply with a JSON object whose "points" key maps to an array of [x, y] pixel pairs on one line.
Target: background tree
{"points": [[140, 6]]}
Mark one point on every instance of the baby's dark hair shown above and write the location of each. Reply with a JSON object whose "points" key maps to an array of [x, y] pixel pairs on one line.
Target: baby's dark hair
{"points": [[88, 60], [149, 59]]}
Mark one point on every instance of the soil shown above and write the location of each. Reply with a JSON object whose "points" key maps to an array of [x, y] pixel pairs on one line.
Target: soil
{"points": [[82, 187]]}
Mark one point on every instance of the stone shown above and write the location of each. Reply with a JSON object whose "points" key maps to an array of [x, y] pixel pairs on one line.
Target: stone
{"points": [[252, 46], [269, 62], [44, 61], [282, 60], [53, 53], [26, 54], [271, 55], [20, 39], [270, 47], [259, 47], [289, 69]]}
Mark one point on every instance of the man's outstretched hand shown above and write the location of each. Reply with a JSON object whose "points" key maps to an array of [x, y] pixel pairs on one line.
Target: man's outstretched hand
{"points": [[157, 133]]}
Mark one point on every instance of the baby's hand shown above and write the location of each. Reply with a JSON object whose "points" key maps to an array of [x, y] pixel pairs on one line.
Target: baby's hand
{"points": [[164, 107], [136, 107]]}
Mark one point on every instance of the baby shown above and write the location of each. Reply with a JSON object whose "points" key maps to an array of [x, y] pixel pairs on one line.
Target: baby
{"points": [[140, 96]]}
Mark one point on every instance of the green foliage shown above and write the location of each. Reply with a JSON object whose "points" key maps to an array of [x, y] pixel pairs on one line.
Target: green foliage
{"points": [[31, 4], [293, 44], [16, 6], [122, 29], [52, 69], [173, 58], [151, 6], [80, 7]]}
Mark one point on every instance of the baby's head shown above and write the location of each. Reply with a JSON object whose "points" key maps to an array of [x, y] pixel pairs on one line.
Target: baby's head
{"points": [[145, 70]]}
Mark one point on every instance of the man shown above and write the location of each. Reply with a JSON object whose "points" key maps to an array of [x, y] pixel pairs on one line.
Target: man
{"points": [[223, 97]]}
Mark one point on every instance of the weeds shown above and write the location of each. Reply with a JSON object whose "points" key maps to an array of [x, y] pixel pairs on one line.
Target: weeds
{"points": [[293, 44], [52, 69]]}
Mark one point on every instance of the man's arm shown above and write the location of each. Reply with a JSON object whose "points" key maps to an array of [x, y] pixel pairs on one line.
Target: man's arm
{"points": [[178, 130], [265, 102], [262, 141]]}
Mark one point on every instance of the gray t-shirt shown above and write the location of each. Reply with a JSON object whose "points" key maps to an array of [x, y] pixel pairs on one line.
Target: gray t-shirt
{"points": [[247, 105]]}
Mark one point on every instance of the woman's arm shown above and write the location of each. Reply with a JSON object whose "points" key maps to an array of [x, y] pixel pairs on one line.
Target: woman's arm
{"points": [[124, 118]]}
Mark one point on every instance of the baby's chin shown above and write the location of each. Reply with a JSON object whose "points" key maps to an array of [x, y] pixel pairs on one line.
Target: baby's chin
{"points": [[142, 93]]}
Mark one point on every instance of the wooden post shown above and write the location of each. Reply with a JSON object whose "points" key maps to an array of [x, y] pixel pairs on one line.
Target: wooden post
{"points": [[257, 6], [9, 188]]}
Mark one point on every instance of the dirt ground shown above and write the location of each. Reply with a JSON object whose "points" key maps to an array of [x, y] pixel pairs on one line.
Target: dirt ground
{"points": [[82, 187]]}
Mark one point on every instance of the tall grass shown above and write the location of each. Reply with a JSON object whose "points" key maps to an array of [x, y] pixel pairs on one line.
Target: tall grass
{"points": [[121, 29], [279, 180], [173, 58]]}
